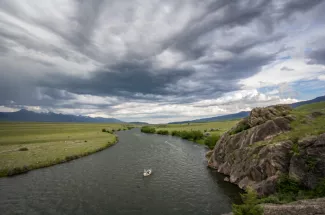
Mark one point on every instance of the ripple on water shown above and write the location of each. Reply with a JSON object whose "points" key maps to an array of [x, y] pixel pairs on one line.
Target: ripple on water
{"points": [[111, 182]]}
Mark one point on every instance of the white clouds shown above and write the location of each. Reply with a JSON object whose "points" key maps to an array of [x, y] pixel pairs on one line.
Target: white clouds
{"points": [[290, 70], [160, 60], [163, 113], [168, 59], [8, 109]]}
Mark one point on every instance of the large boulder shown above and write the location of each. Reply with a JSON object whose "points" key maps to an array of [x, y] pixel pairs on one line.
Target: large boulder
{"points": [[244, 154]]}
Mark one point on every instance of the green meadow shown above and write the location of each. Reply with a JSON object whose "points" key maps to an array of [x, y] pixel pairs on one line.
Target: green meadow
{"points": [[26, 146], [218, 127], [203, 133]]}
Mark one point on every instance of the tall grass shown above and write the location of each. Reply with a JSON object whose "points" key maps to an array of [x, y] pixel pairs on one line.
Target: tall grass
{"points": [[211, 141], [148, 129], [163, 132], [250, 204]]}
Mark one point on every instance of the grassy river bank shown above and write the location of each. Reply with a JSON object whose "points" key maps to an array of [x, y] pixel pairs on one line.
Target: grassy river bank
{"points": [[27, 146]]}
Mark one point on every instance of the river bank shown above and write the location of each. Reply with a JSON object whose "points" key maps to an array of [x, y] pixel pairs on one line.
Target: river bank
{"points": [[203, 133], [28, 146]]}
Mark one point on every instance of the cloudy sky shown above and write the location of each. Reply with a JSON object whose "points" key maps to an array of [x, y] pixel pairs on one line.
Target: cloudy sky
{"points": [[159, 61]]}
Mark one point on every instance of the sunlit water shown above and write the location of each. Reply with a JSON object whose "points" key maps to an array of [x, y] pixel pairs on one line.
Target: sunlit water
{"points": [[112, 182]]}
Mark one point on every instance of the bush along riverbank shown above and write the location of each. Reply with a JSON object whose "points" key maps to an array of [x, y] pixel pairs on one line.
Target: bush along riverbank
{"points": [[60, 158], [191, 135], [278, 155]]}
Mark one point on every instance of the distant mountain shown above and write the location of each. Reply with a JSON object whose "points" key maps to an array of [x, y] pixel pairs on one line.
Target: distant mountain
{"points": [[139, 123], [30, 116], [218, 118], [318, 99], [246, 113]]}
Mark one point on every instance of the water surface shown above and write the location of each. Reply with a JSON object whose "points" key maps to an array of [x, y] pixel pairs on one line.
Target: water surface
{"points": [[111, 182]]}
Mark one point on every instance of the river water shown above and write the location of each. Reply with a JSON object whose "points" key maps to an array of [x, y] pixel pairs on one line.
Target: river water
{"points": [[112, 182]]}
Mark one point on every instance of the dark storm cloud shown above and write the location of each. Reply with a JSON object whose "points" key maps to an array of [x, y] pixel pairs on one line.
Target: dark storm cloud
{"points": [[233, 15], [123, 79], [317, 56], [293, 6], [111, 49]]}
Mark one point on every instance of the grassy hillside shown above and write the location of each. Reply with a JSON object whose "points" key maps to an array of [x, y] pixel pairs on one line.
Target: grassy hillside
{"points": [[25, 146], [318, 106], [308, 120]]}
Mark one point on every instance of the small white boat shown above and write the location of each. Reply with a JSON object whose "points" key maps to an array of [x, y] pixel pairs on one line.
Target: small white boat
{"points": [[147, 172]]}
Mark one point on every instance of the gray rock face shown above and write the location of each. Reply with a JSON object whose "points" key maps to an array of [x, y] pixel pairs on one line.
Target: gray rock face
{"points": [[259, 165], [259, 116], [305, 207], [308, 165]]}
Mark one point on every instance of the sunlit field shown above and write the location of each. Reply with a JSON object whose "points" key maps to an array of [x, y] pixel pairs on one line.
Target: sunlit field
{"points": [[25, 146]]}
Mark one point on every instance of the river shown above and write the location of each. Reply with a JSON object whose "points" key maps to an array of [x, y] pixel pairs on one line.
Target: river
{"points": [[112, 182]]}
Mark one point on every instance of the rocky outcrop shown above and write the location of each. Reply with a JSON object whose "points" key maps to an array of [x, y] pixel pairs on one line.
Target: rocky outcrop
{"points": [[247, 154], [306, 207], [308, 163], [259, 116]]}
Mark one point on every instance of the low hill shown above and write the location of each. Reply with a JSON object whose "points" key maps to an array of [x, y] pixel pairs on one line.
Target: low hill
{"points": [[318, 99], [139, 123], [30, 116], [246, 113], [218, 118]]}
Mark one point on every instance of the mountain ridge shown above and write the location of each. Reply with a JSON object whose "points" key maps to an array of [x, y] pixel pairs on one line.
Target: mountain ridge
{"points": [[24, 115], [243, 114]]}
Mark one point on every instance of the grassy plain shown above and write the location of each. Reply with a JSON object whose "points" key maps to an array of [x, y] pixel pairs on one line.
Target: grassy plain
{"points": [[25, 146], [219, 127], [193, 131]]}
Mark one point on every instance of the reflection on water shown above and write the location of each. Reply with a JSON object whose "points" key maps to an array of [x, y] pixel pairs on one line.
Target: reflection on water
{"points": [[112, 182]]}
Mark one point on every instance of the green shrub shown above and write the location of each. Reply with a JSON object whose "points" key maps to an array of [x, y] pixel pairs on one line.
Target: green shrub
{"points": [[319, 190], [148, 129], [273, 199], [163, 132], [250, 204], [239, 128], [176, 133], [104, 130], [288, 185], [188, 135], [23, 149], [197, 135], [311, 163], [295, 149], [185, 135], [211, 141]]}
